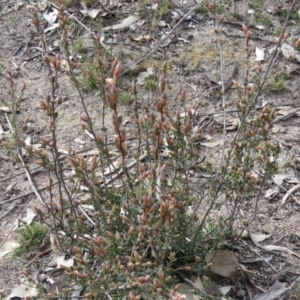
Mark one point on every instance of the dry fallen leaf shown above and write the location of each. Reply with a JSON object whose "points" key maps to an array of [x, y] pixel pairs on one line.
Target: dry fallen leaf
{"points": [[233, 123], [42, 5], [280, 249], [92, 152], [276, 128], [7, 247], [276, 292], [109, 4], [289, 193], [285, 110], [213, 144], [18, 5], [259, 237], [223, 263], [79, 141], [162, 24], [51, 16], [55, 245], [141, 37], [165, 40], [287, 51], [137, 37], [30, 215], [292, 179], [51, 27], [56, 285], [141, 78], [25, 290], [279, 178], [185, 289], [257, 259], [225, 289], [44, 249], [62, 261], [261, 27], [271, 193], [93, 13], [5, 109], [124, 24], [260, 54], [113, 167], [198, 284], [1, 130]]}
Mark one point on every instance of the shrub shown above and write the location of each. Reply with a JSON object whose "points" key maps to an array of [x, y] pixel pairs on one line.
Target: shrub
{"points": [[144, 222]]}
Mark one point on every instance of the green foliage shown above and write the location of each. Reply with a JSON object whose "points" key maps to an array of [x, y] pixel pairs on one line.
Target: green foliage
{"points": [[295, 16], [68, 3], [163, 7], [125, 98], [13, 19], [203, 10], [11, 143], [79, 45], [71, 25], [90, 3], [99, 23], [92, 73], [262, 19], [277, 83], [257, 5], [296, 292], [30, 237], [220, 9], [260, 16], [237, 16], [151, 83], [278, 30]]}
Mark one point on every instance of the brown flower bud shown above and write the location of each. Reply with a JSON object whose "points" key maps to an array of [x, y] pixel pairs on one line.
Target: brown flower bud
{"points": [[211, 6], [84, 117], [245, 28], [117, 71]]}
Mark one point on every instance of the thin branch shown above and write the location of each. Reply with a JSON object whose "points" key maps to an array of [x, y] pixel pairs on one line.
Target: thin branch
{"points": [[32, 184]]}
